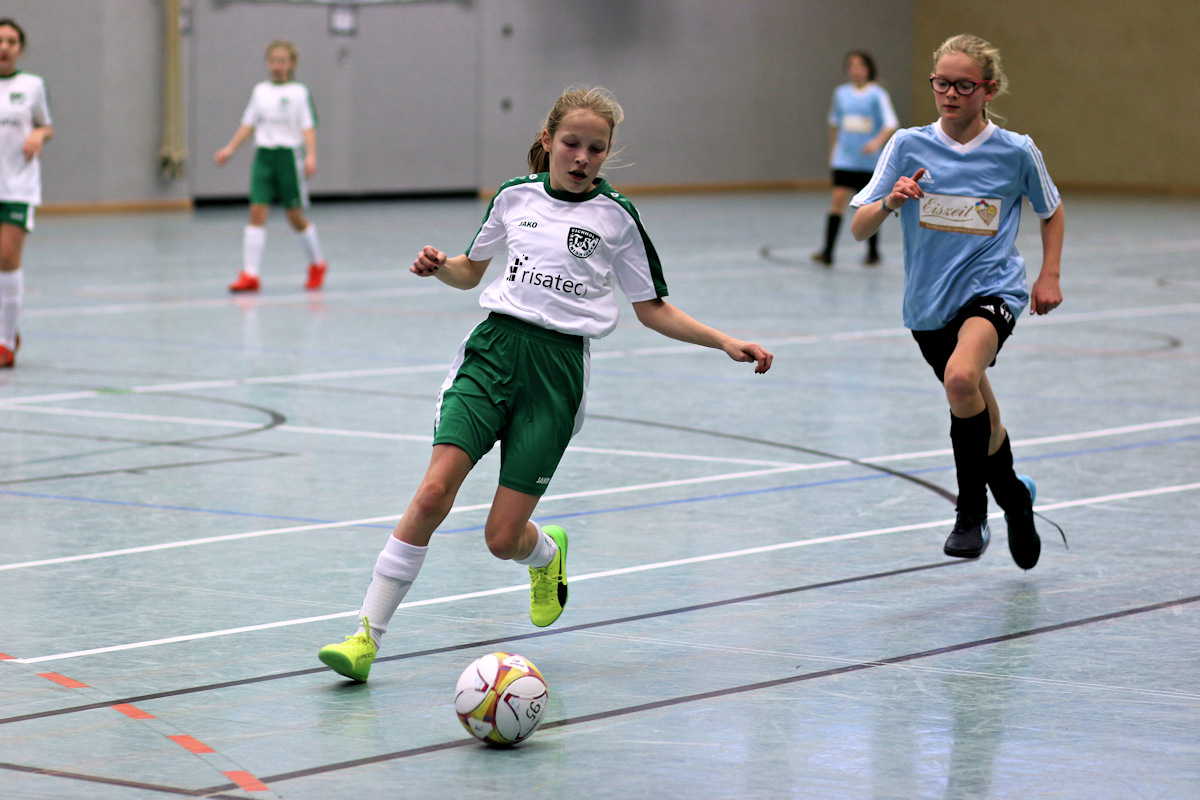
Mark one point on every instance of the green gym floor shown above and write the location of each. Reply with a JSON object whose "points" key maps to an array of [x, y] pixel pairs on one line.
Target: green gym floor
{"points": [[194, 487]]}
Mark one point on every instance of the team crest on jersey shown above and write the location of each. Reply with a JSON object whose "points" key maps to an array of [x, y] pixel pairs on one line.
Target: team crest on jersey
{"points": [[582, 242], [16, 98]]}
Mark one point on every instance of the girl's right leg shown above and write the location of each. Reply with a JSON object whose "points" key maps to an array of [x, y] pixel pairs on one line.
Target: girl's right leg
{"points": [[12, 290], [254, 241], [833, 223], [398, 563]]}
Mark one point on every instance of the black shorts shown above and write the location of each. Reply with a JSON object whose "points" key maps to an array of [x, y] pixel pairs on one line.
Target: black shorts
{"points": [[937, 346], [851, 179]]}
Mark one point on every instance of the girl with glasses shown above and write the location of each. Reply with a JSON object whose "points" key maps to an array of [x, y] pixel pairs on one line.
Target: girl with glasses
{"points": [[965, 282]]}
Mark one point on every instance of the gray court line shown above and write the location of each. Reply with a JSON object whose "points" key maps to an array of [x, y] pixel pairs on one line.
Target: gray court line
{"points": [[933, 487], [486, 642], [150, 787], [734, 690]]}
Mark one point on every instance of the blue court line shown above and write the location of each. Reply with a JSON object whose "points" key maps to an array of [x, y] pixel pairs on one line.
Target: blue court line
{"points": [[614, 509]]}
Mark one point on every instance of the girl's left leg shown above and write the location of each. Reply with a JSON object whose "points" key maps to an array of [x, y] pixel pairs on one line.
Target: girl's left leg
{"points": [[511, 534], [970, 434], [12, 290], [1013, 493], [311, 245]]}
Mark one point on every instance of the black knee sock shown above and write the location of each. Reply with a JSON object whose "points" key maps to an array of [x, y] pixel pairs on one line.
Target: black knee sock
{"points": [[969, 437], [833, 223], [1010, 493], [873, 246]]}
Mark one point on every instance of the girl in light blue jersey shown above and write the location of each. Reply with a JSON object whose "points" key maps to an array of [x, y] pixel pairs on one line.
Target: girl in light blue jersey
{"points": [[964, 282], [520, 378], [861, 119]]}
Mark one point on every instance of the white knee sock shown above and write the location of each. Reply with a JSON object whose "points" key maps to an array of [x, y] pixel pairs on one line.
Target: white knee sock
{"points": [[395, 570], [311, 244], [12, 296], [254, 239], [543, 552]]}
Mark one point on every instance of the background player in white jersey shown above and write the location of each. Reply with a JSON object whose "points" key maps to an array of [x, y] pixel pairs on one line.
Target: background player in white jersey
{"points": [[965, 281], [281, 118], [521, 375], [861, 119], [24, 128]]}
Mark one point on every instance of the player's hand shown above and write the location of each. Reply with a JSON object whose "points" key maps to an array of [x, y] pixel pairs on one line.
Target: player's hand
{"points": [[904, 189], [749, 351], [33, 146], [310, 166], [223, 156], [428, 262], [1046, 295]]}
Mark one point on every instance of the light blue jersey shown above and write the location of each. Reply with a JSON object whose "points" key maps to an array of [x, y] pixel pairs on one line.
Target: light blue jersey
{"points": [[858, 115], [960, 238]]}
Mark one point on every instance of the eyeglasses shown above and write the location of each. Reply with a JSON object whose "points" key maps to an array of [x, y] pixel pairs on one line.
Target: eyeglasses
{"points": [[941, 85]]}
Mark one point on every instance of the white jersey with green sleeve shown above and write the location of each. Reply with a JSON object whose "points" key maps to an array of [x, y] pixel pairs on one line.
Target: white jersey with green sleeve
{"points": [[566, 254], [24, 106], [280, 113]]}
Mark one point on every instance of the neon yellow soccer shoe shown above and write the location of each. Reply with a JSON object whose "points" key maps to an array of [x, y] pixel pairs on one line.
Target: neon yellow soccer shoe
{"points": [[548, 584], [353, 657]]}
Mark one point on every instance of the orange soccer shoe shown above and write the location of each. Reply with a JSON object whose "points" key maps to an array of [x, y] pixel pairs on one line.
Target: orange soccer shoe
{"points": [[244, 283], [316, 276]]}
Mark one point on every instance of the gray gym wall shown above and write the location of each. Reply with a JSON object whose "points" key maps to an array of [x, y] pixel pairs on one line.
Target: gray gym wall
{"points": [[446, 96]]}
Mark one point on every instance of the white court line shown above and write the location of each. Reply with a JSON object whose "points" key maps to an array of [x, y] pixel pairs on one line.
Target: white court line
{"points": [[605, 574], [211, 302], [590, 493], [394, 517]]}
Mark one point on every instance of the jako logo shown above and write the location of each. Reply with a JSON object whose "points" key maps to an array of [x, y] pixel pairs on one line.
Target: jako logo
{"points": [[527, 224]]}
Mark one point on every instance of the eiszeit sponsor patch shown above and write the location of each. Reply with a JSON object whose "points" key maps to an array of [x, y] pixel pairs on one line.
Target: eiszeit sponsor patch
{"points": [[582, 242], [976, 215], [858, 123]]}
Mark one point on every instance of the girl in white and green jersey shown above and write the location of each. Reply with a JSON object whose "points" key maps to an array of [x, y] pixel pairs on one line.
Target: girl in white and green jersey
{"points": [[281, 118], [521, 375], [24, 128]]}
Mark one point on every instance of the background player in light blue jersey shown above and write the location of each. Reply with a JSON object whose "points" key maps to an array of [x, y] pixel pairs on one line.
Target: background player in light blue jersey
{"points": [[861, 119], [521, 375], [964, 281]]}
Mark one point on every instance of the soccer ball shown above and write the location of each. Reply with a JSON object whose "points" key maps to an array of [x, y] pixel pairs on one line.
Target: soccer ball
{"points": [[500, 698]]}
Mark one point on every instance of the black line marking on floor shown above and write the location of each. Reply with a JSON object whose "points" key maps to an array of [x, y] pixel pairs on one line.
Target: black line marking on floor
{"points": [[933, 487], [275, 419], [142, 469], [150, 787], [138, 699], [735, 690]]}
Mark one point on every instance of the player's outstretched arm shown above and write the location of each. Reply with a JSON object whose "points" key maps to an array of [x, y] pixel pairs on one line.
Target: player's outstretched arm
{"points": [[1046, 294], [659, 315], [243, 133], [459, 271]]}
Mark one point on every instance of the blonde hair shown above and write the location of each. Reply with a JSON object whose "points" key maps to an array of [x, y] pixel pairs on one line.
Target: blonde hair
{"points": [[595, 99], [982, 53], [284, 44]]}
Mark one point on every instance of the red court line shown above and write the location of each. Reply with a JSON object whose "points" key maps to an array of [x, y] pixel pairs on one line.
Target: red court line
{"points": [[7, 657], [133, 711], [191, 744], [246, 781], [62, 680]]}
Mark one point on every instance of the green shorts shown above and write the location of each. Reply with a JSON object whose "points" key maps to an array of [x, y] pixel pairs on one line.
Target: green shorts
{"points": [[521, 385], [19, 214], [277, 176]]}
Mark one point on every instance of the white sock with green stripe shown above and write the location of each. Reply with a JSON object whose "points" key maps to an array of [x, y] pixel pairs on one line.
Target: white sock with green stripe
{"points": [[12, 295], [395, 570], [543, 552], [254, 240], [311, 244]]}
